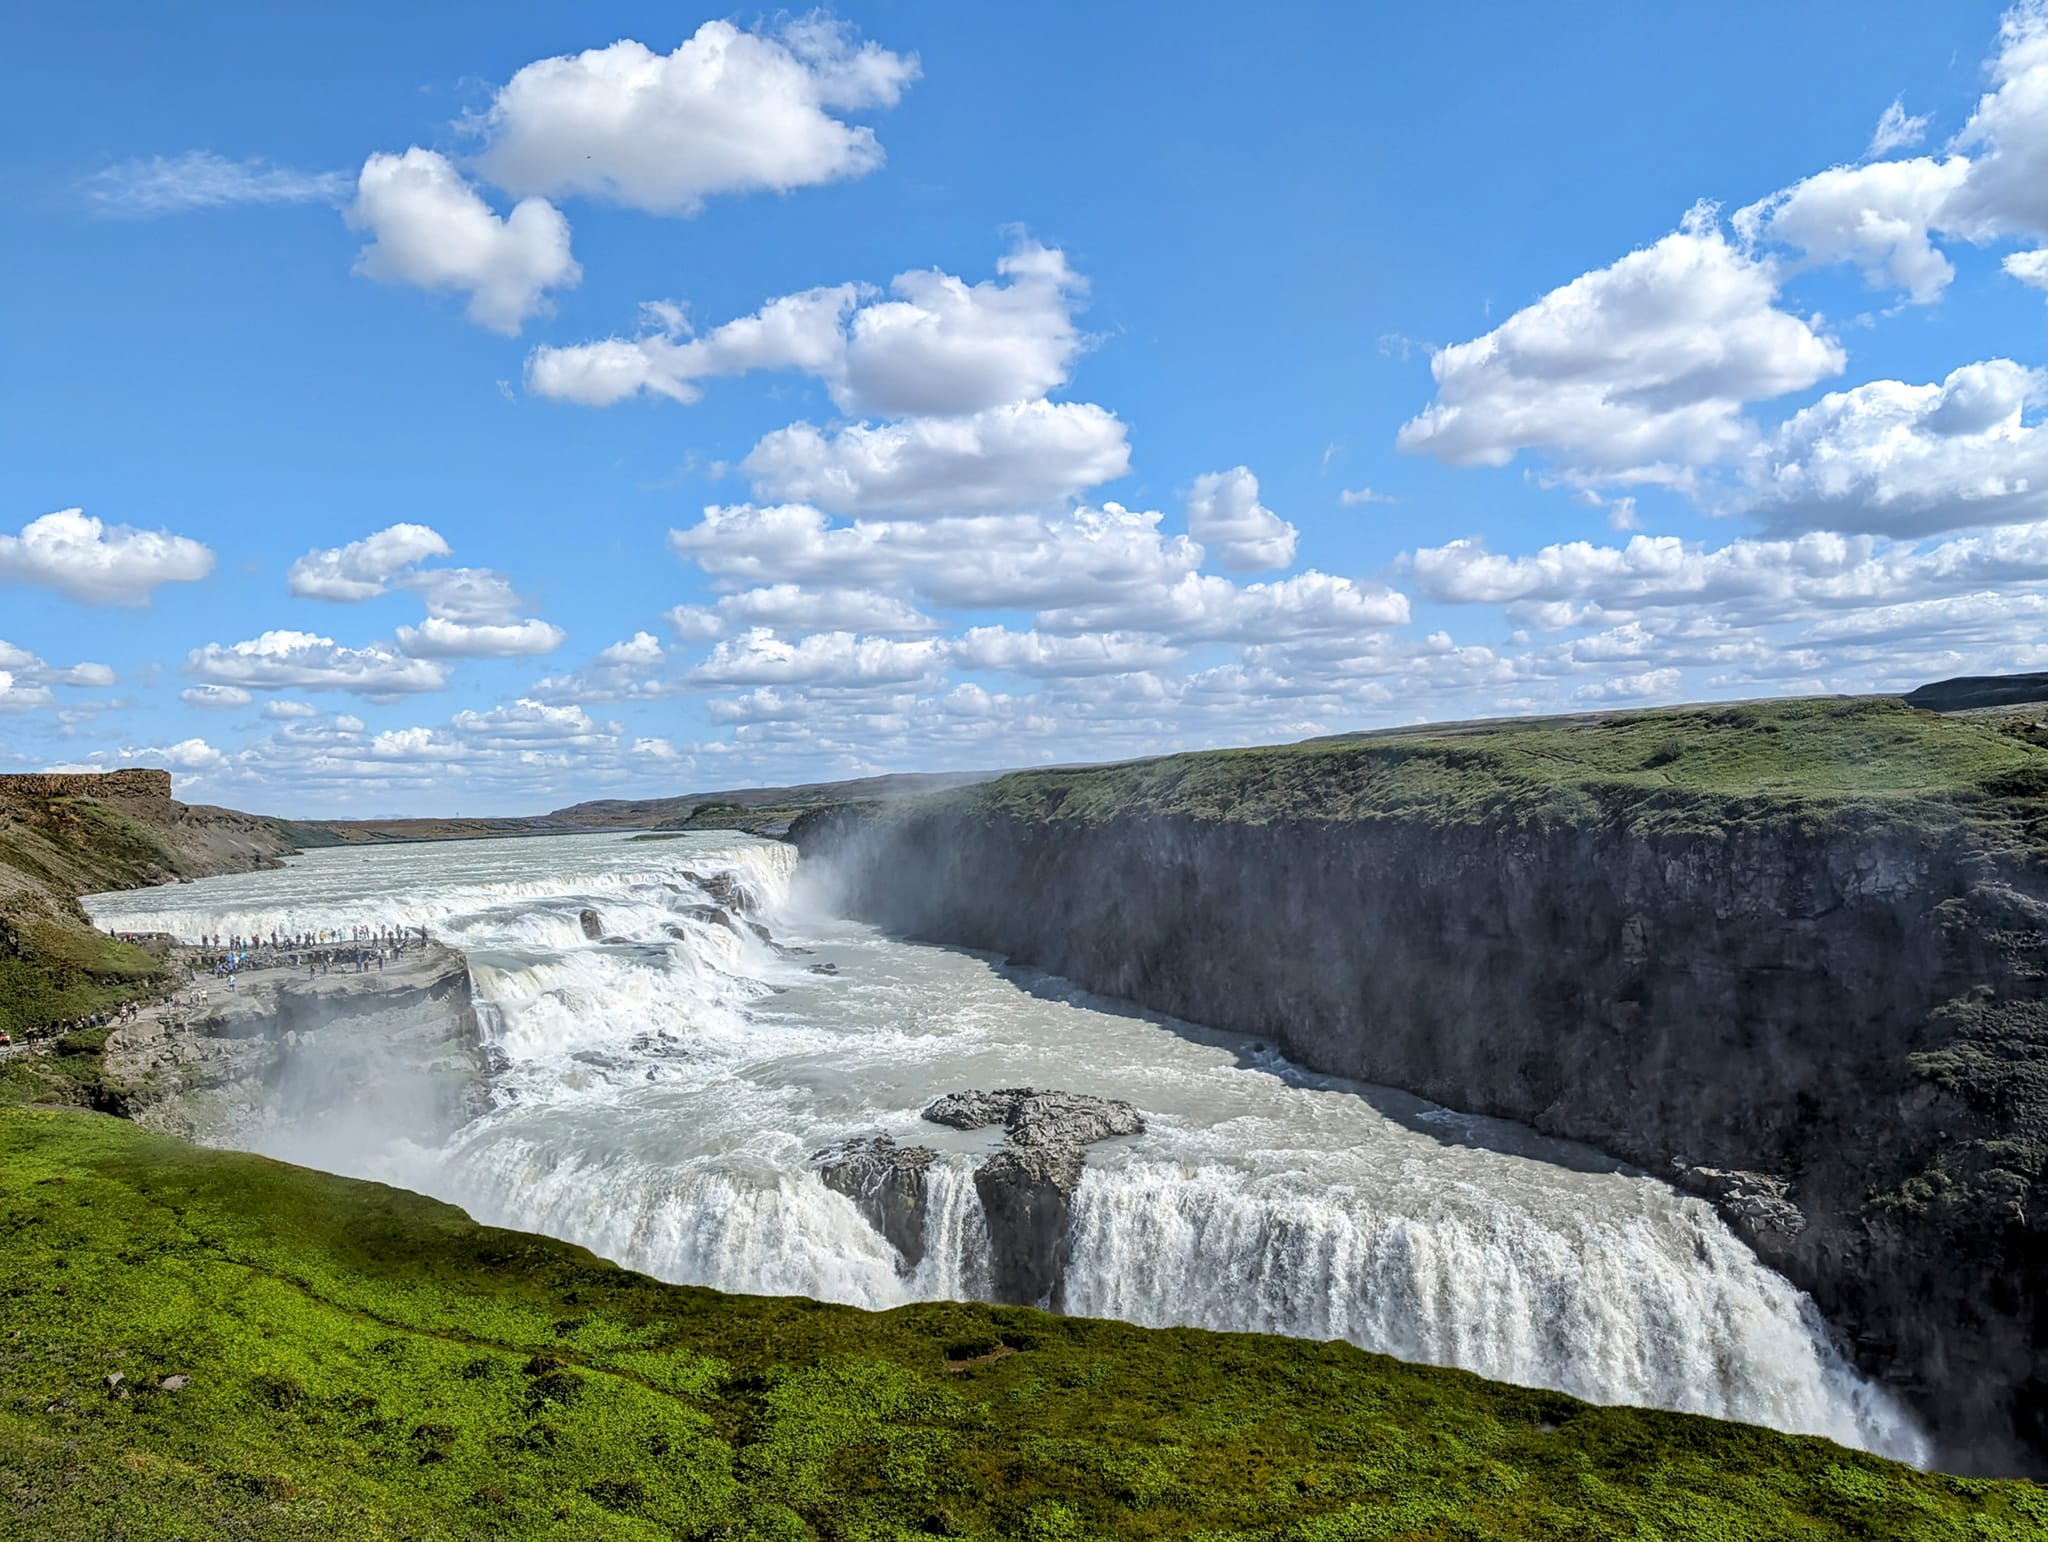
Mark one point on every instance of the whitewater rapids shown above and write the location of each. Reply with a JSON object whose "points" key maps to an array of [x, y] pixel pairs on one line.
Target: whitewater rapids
{"points": [[656, 1096]]}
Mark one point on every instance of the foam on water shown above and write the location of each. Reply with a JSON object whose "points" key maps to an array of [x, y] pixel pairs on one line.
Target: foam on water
{"points": [[660, 1091]]}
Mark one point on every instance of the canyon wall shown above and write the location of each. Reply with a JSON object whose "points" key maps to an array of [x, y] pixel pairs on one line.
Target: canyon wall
{"points": [[1838, 1032]]}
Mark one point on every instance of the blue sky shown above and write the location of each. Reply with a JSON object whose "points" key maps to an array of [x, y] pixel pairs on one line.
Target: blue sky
{"points": [[483, 408]]}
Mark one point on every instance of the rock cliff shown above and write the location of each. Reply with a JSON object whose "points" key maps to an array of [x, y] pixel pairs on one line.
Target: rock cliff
{"points": [[309, 1066], [1793, 958]]}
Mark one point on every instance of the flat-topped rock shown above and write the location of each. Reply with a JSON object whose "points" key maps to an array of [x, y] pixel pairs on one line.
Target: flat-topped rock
{"points": [[1038, 1117], [887, 1183]]}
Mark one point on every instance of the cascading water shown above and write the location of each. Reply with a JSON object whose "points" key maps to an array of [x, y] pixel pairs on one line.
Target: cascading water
{"points": [[658, 1090]]}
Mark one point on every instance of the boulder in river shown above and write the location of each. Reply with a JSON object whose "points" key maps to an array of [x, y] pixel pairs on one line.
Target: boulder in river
{"points": [[592, 923], [886, 1182], [727, 889], [1039, 1118], [1027, 1188], [1027, 1196]]}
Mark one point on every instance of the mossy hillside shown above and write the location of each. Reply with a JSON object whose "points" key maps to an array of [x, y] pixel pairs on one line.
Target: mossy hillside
{"points": [[364, 1363], [1815, 762], [54, 967]]}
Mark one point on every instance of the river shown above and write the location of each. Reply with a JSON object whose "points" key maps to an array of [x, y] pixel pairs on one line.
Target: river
{"points": [[657, 1096]]}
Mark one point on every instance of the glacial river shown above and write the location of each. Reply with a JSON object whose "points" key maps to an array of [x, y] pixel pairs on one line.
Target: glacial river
{"points": [[657, 1099]]}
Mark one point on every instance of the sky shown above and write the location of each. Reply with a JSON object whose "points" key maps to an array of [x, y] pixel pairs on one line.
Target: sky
{"points": [[475, 409]]}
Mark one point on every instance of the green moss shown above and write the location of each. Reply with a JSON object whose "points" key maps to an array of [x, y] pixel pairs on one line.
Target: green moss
{"points": [[1847, 763], [368, 1364]]}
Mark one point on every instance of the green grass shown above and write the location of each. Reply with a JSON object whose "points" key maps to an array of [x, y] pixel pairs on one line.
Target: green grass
{"points": [[1845, 762], [368, 1364]]}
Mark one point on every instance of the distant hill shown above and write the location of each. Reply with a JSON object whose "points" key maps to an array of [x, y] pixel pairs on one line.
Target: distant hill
{"points": [[760, 809], [1966, 691]]}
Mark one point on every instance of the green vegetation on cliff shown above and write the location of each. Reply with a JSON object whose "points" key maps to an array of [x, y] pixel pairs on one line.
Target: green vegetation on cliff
{"points": [[365, 1363], [1846, 762], [53, 966]]}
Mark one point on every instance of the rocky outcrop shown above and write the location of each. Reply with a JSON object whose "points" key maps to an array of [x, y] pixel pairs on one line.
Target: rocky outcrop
{"points": [[1027, 1188], [886, 1182], [282, 1057], [728, 890], [1837, 1029], [592, 924], [131, 782]]}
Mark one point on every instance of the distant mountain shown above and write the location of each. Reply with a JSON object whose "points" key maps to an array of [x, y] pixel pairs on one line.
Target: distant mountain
{"points": [[1966, 691], [766, 809]]}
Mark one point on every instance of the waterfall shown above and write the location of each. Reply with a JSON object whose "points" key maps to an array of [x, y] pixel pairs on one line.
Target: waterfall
{"points": [[657, 1091]]}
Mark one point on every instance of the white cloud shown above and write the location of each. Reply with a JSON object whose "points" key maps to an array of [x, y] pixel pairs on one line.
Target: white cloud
{"points": [[1877, 216], [285, 710], [792, 608], [946, 347], [796, 332], [759, 657], [215, 697], [728, 111], [474, 613], [431, 229], [640, 651], [1748, 583], [201, 179], [1908, 460], [364, 569], [1225, 515], [99, 564], [1634, 372], [940, 347], [30, 671], [1352, 497], [1647, 685], [1895, 131], [19, 695], [285, 660], [439, 638], [988, 562], [1035, 653], [2007, 190], [1022, 456], [1205, 608]]}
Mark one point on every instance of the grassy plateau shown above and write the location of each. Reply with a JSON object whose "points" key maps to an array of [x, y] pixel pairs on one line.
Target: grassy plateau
{"points": [[1847, 762]]}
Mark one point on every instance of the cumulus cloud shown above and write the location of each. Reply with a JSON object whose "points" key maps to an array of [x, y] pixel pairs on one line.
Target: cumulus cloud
{"points": [[1635, 372], [1877, 216], [286, 660], [1035, 653], [760, 657], [1904, 460], [985, 562], [202, 179], [286, 710], [431, 229], [729, 111], [19, 695], [1204, 608], [1884, 216], [796, 332], [939, 347], [1747, 583], [215, 698], [363, 569], [99, 564], [1025, 455], [1244, 536], [793, 608], [474, 613], [1895, 131]]}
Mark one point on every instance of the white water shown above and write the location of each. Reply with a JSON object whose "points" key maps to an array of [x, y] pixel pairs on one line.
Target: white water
{"points": [[658, 1100]]}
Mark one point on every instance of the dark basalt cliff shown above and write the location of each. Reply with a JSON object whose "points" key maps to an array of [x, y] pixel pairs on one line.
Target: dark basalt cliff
{"points": [[1827, 1010]]}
